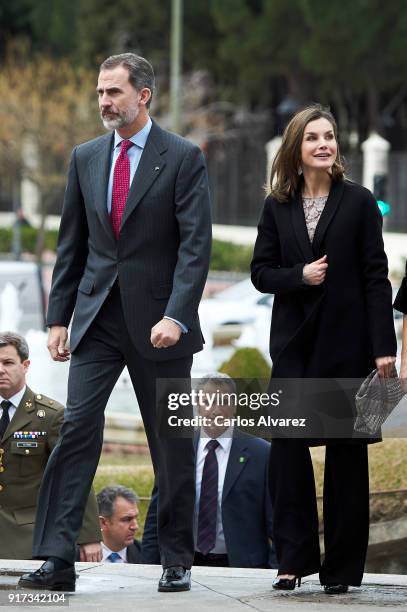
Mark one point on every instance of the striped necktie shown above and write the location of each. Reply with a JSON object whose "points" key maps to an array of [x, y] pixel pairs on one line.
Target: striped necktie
{"points": [[208, 501]]}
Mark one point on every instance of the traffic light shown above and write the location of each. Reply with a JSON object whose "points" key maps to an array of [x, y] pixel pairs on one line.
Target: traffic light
{"points": [[380, 193]]}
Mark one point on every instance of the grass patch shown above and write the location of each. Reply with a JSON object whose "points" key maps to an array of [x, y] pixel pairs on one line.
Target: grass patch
{"points": [[125, 459], [388, 464], [387, 471], [387, 467]]}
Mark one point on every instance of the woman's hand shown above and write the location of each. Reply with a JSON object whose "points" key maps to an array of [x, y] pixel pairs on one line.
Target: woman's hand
{"points": [[314, 273], [384, 366]]}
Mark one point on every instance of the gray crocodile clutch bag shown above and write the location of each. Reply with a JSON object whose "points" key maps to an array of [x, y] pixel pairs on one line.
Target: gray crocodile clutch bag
{"points": [[375, 401]]}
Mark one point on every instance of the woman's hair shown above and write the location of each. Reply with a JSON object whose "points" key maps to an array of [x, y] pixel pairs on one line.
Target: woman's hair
{"points": [[286, 168]]}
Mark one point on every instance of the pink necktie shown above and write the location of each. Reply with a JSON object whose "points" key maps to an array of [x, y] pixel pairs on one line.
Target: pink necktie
{"points": [[121, 185]]}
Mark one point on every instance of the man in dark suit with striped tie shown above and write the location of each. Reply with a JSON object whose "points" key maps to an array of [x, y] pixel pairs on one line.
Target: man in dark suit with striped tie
{"points": [[132, 260], [233, 514]]}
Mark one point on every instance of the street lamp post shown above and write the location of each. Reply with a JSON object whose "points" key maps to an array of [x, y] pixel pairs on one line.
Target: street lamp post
{"points": [[176, 52]]}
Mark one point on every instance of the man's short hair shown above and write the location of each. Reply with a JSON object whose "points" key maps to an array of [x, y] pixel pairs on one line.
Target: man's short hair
{"points": [[107, 497], [217, 378], [141, 73], [9, 338]]}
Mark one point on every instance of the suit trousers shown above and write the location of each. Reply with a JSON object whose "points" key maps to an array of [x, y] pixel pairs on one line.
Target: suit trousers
{"points": [[95, 367], [346, 510], [211, 560]]}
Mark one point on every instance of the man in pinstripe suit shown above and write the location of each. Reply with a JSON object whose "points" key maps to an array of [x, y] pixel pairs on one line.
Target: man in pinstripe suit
{"points": [[133, 255]]}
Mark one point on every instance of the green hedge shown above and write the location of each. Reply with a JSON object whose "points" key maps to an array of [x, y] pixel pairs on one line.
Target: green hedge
{"points": [[28, 239], [226, 256], [231, 257], [246, 363]]}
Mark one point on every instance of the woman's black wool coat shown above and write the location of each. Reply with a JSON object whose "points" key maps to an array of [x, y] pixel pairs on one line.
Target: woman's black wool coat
{"points": [[336, 329]]}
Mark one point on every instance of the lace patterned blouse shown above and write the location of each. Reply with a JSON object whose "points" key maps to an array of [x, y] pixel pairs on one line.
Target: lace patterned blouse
{"points": [[313, 208]]}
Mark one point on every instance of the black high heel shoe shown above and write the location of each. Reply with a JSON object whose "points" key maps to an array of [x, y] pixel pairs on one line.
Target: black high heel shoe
{"points": [[286, 584]]}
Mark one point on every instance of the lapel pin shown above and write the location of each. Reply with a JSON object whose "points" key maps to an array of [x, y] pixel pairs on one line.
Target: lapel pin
{"points": [[241, 460], [157, 168], [28, 404], [41, 413]]}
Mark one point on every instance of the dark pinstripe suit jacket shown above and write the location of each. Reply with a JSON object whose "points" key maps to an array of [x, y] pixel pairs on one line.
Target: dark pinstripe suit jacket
{"points": [[162, 256]]}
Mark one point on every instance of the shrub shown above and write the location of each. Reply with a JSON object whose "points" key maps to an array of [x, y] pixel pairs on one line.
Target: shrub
{"points": [[226, 256], [246, 363], [230, 257], [28, 239]]}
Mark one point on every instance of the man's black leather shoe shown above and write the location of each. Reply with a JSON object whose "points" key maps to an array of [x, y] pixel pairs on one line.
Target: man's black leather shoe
{"points": [[46, 577], [335, 589], [175, 578]]}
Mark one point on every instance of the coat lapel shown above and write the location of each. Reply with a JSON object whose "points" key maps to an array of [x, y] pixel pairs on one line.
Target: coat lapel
{"points": [[238, 457], [23, 414], [99, 169], [300, 227], [150, 167], [328, 213]]}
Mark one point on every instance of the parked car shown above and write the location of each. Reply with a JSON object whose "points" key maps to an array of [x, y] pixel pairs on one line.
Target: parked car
{"points": [[231, 310]]}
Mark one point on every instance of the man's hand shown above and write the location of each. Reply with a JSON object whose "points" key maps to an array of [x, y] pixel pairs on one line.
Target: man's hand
{"points": [[165, 333], [384, 366], [92, 553], [57, 343], [314, 273]]}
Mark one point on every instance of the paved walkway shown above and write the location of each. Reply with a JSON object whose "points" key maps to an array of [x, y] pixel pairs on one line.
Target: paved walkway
{"points": [[126, 587]]}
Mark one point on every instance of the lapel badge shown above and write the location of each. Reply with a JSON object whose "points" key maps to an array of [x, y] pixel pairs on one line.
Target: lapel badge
{"points": [[28, 404], [41, 413], [241, 459], [157, 168]]}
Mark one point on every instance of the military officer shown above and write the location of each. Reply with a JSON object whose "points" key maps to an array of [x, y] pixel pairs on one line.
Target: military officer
{"points": [[29, 428]]}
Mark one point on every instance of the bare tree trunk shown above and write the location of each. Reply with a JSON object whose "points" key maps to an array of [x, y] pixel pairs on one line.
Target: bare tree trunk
{"points": [[40, 242], [294, 85], [373, 108], [342, 113]]}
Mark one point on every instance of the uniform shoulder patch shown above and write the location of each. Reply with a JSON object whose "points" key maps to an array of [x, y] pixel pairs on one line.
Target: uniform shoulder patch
{"points": [[39, 398]]}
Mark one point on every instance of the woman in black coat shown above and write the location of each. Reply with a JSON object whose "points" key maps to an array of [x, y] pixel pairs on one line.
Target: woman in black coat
{"points": [[319, 249]]}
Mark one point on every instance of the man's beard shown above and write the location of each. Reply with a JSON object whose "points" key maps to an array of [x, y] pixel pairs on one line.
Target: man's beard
{"points": [[115, 121]]}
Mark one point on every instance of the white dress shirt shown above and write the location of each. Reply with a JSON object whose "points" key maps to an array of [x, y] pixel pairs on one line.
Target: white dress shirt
{"points": [[222, 455], [134, 154], [106, 552], [15, 400]]}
